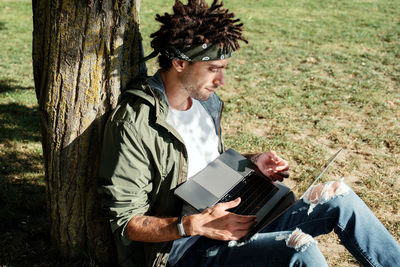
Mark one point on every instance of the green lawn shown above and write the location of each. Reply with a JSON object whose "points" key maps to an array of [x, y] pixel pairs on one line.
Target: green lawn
{"points": [[316, 76]]}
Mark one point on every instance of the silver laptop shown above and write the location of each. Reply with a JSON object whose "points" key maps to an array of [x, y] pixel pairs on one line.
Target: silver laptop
{"points": [[232, 175]]}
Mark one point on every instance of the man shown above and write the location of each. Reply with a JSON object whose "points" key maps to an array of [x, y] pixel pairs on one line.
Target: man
{"points": [[167, 129]]}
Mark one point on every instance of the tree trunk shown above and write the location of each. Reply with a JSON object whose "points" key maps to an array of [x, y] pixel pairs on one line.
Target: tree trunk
{"points": [[84, 52]]}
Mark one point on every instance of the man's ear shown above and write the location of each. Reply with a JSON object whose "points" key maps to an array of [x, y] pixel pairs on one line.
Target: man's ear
{"points": [[179, 65]]}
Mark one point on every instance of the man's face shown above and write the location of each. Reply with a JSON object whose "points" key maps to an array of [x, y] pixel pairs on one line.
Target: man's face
{"points": [[201, 79]]}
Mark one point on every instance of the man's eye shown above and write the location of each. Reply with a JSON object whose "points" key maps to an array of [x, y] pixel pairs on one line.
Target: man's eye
{"points": [[213, 69]]}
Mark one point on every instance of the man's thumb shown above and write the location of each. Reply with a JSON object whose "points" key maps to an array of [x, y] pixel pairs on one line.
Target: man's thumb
{"points": [[231, 204]]}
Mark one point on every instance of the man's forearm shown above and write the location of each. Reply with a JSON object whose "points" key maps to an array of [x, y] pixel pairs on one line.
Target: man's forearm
{"points": [[215, 222], [152, 229]]}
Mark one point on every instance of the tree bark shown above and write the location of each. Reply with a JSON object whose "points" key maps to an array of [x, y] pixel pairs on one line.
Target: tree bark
{"points": [[84, 52]]}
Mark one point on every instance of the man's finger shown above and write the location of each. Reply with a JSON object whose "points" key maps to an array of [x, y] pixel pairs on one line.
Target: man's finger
{"points": [[280, 168], [230, 204], [284, 174]]}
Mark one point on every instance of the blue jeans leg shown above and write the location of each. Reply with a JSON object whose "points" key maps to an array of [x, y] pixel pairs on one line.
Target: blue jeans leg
{"points": [[265, 249], [359, 230]]}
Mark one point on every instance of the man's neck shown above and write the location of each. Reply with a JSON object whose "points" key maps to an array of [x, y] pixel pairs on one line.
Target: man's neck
{"points": [[178, 98]]}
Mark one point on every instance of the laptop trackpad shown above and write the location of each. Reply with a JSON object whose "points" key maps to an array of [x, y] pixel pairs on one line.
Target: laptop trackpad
{"points": [[218, 178]]}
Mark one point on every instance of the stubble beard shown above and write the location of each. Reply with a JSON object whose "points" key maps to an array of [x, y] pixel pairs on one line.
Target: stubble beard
{"points": [[195, 92], [192, 89]]}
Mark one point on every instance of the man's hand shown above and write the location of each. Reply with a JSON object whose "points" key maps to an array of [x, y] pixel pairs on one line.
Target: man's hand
{"points": [[271, 165], [215, 222], [218, 223]]}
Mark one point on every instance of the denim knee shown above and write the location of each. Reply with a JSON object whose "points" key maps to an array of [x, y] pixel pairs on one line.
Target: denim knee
{"points": [[328, 193], [306, 249], [311, 257]]}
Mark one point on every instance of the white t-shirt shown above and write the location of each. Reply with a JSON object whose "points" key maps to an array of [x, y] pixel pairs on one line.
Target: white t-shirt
{"points": [[197, 130]]}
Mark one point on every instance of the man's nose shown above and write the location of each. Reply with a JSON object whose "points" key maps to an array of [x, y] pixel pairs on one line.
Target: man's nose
{"points": [[220, 79]]}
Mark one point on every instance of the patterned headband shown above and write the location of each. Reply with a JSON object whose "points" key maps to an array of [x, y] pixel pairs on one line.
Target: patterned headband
{"points": [[204, 52]]}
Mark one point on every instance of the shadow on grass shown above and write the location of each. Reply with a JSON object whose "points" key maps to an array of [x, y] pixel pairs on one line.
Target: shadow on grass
{"points": [[2, 26], [23, 217], [19, 123], [24, 225], [7, 85], [24, 222]]}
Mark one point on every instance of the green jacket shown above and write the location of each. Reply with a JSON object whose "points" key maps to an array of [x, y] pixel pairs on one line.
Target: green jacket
{"points": [[143, 160]]}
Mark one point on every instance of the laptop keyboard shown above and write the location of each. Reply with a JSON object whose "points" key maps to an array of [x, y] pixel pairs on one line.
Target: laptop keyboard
{"points": [[254, 192]]}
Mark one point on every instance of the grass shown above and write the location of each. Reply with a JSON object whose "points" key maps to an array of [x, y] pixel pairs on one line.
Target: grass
{"points": [[315, 76], [23, 222]]}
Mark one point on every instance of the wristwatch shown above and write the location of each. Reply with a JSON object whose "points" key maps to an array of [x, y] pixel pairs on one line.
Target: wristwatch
{"points": [[181, 230]]}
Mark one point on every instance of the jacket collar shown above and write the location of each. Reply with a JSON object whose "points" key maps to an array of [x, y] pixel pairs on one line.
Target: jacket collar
{"points": [[156, 83]]}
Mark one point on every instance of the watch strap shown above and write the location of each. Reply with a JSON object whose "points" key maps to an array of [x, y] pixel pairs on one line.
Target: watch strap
{"points": [[181, 230]]}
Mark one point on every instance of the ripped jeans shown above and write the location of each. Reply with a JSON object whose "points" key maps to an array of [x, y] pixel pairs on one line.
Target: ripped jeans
{"points": [[288, 240]]}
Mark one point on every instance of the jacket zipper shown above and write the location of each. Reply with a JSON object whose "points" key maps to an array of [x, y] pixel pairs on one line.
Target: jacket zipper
{"points": [[180, 168], [219, 129]]}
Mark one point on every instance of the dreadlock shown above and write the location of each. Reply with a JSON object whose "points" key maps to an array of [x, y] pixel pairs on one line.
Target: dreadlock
{"points": [[194, 24]]}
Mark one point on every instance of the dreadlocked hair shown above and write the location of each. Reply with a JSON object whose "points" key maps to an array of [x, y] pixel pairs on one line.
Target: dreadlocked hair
{"points": [[194, 24]]}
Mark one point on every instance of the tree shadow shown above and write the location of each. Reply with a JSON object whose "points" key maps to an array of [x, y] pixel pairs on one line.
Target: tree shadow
{"points": [[7, 85], [23, 224], [2, 26], [19, 123], [23, 216], [15, 164]]}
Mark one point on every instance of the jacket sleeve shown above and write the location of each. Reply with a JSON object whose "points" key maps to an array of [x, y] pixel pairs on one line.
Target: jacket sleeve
{"points": [[125, 174]]}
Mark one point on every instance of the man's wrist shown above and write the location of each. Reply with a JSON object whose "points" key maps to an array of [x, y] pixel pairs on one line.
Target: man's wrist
{"points": [[189, 224], [180, 226], [251, 156], [254, 158]]}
